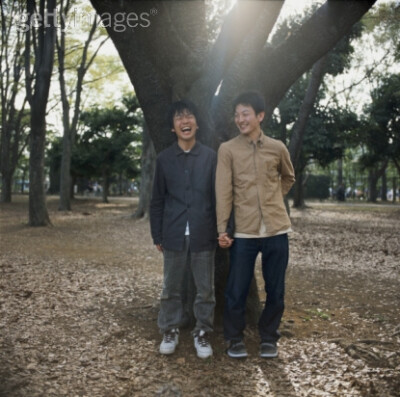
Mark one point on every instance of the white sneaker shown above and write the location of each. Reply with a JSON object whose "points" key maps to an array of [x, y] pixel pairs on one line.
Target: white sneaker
{"points": [[170, 341], [202, 345]]}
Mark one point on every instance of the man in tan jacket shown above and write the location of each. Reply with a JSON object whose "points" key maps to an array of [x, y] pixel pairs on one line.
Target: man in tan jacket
{"points": [[254, 172]]}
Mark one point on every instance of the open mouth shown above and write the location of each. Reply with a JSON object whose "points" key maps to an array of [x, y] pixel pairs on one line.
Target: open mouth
{"points": [[186, 129]]}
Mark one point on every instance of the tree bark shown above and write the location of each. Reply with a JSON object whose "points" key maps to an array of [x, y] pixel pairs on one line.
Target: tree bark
{"points": [[146, 175], [105, 187], [373, 177], [298, 192], [384, 187], [44, 60], [299, 128], [11, 74]]}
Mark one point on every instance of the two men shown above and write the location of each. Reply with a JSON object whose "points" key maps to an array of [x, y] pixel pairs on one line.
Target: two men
{"points": [[254, 172], [183, 227]]}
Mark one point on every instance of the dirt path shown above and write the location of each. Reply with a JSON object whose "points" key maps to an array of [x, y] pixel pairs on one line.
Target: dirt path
{"points": [[79, 301]]}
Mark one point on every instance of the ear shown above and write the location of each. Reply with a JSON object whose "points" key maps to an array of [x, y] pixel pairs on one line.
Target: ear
{"points": [[261, 116]]}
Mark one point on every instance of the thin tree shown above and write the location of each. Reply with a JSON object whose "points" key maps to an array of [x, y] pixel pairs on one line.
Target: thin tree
{"points": [[13, 120], [71, 116], [39, 46]]}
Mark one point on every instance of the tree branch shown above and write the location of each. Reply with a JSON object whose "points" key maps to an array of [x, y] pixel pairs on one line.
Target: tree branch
{"points": [[283, 65]]}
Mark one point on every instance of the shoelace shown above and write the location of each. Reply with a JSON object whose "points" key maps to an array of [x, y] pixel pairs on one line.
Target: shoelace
{"points": [[202, 340], [169, 337]]}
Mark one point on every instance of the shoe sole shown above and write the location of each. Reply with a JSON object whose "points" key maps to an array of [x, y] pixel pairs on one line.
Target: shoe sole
{"points": [[268, 355], [167, 352], [203, 356], [243, 355]]}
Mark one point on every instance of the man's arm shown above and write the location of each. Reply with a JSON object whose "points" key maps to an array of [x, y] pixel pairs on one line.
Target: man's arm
{"points": [[224, 188], [287, 171], [157, 205]]}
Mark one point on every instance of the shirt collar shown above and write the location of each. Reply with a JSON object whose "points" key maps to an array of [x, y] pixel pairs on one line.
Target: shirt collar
{"points": [[260, 141], [195, 151]]}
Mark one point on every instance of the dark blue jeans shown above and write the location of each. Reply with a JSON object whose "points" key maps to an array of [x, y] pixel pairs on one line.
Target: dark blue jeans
{"points": [[243, 254]]}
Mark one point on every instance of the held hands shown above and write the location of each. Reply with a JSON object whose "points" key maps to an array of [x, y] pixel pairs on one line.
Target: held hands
{"points": [[224, 240]]}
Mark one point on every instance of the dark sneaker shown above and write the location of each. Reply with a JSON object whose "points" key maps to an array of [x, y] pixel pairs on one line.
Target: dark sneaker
{"points": [[202, 345], [237, 349], [170, 341], [268, 350]]}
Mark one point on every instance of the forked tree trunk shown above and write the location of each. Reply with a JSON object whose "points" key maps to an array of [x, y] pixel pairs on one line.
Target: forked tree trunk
{"points": [[171, 59]]}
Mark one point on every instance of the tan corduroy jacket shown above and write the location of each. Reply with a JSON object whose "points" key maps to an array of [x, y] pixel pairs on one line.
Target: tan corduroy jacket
{"points": [[252, 178]]}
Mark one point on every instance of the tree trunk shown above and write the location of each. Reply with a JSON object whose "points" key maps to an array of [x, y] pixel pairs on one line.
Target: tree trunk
{"points": [[340, 172], [373, 177], [384, 187], [6, 187], [38, 215], [146, 175], [65, 174], [372, 189], [299, 128], [44, 61], [105, 185], [298, 193]]}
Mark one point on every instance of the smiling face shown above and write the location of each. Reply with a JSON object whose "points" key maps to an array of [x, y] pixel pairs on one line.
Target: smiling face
{"points": [[248, 121], [185, 126]]}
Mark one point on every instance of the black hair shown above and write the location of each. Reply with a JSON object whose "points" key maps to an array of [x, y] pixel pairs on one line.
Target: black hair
{"points": [[250, 98], [179, 107]]}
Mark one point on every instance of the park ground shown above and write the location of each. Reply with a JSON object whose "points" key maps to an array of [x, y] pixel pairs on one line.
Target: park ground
{"points": [[79, 302]]}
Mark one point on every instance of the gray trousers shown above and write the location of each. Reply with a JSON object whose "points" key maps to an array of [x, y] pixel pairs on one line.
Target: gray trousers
{"points": [[176, 263]]}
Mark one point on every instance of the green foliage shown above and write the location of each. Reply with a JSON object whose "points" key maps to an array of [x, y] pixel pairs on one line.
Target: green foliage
{"points": [[317, 186], [328, 129], [380, 131], [110, 141]]}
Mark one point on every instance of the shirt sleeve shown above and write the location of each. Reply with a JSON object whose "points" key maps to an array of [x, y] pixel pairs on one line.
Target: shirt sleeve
{"points": [[157, 204], [287, 171], [224, 188]]}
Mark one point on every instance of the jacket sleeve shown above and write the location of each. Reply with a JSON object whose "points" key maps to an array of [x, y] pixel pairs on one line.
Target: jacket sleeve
{"points": [[224, 188], [157, 204], [287, 171]]}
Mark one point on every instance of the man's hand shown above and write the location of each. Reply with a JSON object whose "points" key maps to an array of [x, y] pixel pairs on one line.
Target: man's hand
{"points": [[224, 240], [159, 247]]}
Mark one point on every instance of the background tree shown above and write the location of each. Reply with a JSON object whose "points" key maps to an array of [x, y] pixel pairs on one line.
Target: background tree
{"points": [[301, 112], [39, 50], [380, 132], [71, 94], [14, 120], [105, 147]]}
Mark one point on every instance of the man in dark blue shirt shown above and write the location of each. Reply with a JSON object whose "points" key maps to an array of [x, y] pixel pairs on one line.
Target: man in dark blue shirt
{"points": [[183, 228]]}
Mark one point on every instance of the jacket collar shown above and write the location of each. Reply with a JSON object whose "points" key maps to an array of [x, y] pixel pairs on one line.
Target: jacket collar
{"points": [[195, 151]]}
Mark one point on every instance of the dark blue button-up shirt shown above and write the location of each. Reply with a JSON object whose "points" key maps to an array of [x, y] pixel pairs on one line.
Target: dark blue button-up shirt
{"points": [[184, 191]]}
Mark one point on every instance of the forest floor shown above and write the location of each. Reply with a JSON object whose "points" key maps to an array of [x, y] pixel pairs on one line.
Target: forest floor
{"points": [[79, 303]]}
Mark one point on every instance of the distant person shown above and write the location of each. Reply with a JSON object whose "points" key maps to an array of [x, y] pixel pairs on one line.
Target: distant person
{"points": [[254, 172], [183, 228]]}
